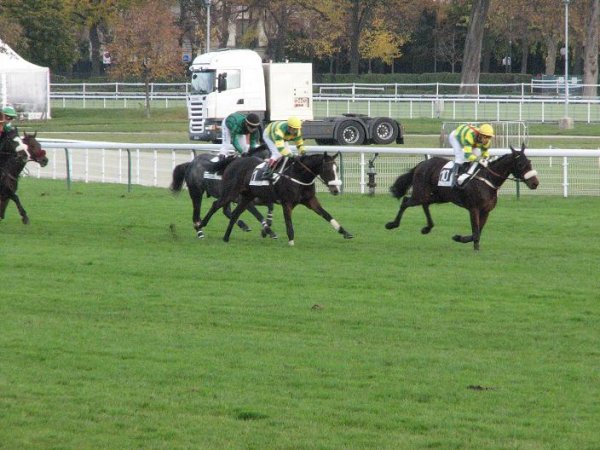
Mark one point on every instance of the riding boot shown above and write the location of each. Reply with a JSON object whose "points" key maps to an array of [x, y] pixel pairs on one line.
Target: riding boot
{"points": [[454, 174]]}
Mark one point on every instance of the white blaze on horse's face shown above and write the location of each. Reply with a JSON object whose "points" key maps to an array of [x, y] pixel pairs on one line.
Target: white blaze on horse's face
{"points": [[335, 183]]}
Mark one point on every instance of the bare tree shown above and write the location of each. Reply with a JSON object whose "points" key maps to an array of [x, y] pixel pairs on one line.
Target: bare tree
{"points": [[472, 54]]}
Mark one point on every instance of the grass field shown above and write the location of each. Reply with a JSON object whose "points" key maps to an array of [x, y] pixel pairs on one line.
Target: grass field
{"points": [[120, 330]]}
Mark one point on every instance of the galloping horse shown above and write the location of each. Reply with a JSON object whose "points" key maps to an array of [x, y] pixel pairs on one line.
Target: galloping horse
{"points": [[12, 163], [294, 185], [479, 195], [193, 174]]}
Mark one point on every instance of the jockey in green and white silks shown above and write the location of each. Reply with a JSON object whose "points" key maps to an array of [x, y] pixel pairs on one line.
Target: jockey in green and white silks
{"points": [[235, 129], [278, 134], [470, 144], [7, 115]]}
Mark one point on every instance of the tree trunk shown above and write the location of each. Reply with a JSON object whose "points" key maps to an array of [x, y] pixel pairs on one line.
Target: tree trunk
{"points": [[355, 38], [551, 50], [95, 49], [472, 54], [524, 55], [590, 54]]}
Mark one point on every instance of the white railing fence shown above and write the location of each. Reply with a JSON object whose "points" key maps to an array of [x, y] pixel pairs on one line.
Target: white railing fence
{"points": [[562, 172], [520, 101]]}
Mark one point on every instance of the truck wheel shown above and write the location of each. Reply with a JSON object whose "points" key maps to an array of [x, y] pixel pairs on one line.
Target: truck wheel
{"points": [[350, 132], [385, 131]]}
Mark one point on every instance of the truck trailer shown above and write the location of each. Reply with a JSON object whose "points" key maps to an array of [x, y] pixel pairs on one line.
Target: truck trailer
{"points": [[230, 80]]}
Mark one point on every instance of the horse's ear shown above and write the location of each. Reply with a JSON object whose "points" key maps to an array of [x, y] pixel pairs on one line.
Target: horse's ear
{"points": [[512, 149], [337, 154], [35, 134], [523, 147]]}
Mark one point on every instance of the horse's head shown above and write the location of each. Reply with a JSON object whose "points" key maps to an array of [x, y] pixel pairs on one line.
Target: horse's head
{"points": [[330, 174], [34, 151], [522, 168]]}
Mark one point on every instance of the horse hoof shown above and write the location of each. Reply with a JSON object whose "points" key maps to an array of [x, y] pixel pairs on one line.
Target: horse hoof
{"points": [[274, 236], [200, 234], [291, 243], [457, 238], [391, 225], [263, 233], [425, 230], [226, 239], [25, 220], [348, 236]]}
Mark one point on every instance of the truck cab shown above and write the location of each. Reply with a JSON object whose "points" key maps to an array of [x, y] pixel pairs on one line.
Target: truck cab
{"points": [[223, 82]]}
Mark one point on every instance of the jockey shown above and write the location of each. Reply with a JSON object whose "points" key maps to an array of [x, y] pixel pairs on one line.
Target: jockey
{"points": [[278, 134], [471, 144], [236, 128], [7, 115]]}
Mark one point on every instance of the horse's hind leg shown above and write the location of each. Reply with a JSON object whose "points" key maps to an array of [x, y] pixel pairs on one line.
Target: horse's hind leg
{"points": [[196, 198], [406, 203], [266, 224], [426, 229]]}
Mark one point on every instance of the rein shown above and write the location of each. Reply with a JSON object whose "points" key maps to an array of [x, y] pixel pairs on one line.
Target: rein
{"points": [[308, 169]]}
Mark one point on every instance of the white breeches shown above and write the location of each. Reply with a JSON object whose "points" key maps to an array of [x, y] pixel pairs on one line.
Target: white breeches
{"points": [[275, 155]]}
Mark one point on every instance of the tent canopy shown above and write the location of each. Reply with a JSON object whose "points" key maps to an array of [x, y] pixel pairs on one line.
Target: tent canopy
{"points": [[24, 85]]}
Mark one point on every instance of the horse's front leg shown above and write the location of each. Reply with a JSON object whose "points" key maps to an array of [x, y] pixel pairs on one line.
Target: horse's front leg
{"points": [[236, 213], [475, 229], [315, 205], [217, 204], [15, 198], [240, 222]]}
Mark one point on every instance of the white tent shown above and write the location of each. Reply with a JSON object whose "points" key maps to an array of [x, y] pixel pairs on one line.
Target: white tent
{"points": [[24, 85]]}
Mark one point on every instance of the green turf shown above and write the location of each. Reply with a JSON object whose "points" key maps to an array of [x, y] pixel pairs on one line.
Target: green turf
{"points": [[121, 330]]}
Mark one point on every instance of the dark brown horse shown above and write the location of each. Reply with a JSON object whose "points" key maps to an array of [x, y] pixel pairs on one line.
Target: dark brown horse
{"points": [[479, 195], [12, 162], [293, 186]]}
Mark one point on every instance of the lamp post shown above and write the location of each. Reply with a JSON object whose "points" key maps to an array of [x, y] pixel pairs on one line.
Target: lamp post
{"points": [[207, 3], [566, 122]]}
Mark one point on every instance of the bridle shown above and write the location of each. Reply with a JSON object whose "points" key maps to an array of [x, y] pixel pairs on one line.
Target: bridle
{"points": [[529, 174], [309, 170]]}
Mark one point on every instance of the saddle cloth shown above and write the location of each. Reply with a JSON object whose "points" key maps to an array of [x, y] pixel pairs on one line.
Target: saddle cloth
{"points": [[258, 174], [446, 175]]}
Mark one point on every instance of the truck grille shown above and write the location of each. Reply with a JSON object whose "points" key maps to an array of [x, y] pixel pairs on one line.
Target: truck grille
{"points": [[195, 108]]}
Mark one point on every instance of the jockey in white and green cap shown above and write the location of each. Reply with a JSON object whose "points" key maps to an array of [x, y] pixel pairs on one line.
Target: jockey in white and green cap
{"points": [[7, 115]]}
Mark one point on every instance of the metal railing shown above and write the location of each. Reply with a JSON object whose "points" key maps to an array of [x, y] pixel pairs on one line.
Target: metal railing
{"points": [[400, 101], [562, 172]]}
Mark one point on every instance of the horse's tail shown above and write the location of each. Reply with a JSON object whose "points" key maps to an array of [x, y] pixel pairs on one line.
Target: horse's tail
{"points": [[179, 177], [402, 184]]}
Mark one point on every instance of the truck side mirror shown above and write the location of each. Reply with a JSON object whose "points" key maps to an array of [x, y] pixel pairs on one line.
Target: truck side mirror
{"points": [[222, 82]]}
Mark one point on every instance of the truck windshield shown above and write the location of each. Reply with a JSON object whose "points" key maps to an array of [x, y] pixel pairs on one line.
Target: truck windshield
{"points": [[203, 82]]}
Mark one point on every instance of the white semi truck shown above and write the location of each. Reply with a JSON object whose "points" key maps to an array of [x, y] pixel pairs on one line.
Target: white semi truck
{"points": [[229, 80]]}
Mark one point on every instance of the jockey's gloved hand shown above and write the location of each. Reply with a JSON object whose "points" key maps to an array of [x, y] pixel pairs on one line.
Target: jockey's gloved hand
{"points": [[483, 162]]}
